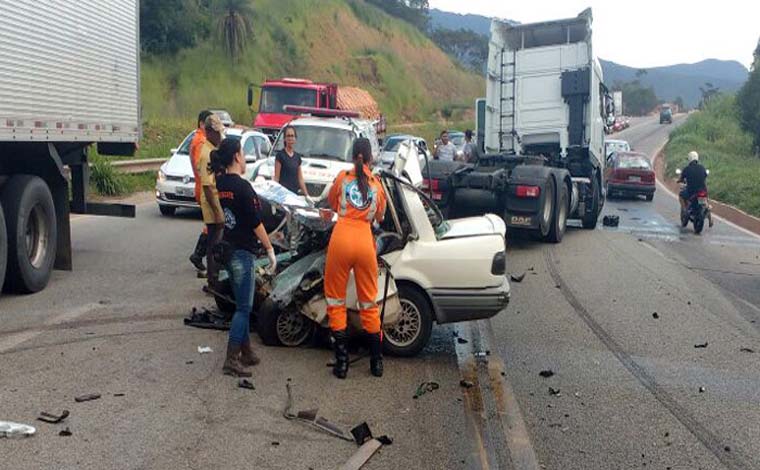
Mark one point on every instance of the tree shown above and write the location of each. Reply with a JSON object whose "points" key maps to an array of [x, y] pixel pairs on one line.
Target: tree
{"points": [[748, 99], [411, 11], [679, 102], [709, 91], [467, 47], [166, 26], [637, 99], [233, 25]]}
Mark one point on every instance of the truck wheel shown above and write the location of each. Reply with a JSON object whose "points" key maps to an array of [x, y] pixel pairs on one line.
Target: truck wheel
{"points": [[547, 211], [32, 233], [559, 221], [412, 332], [282, 327], [3, 248], [589, 220], [167, 210]]}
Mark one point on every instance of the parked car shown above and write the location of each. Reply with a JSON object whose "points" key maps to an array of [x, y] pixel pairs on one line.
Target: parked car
{"points": [[615, 145], [224, 116], [175, 184], [392, 144], [630, 174]]}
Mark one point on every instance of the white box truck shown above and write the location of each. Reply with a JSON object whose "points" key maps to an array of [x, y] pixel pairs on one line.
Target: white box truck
{"points": [[542, 125], [69, 79]]}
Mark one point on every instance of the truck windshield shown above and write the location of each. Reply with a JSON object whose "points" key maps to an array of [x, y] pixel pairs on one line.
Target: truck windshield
{"points": [[321, 142], [273, 99]]}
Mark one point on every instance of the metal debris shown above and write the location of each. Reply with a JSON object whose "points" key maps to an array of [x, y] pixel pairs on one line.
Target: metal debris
{"points": [[655, 315], [51, 418], [546, 373], [701, 346], [311, 418], [517, 277], [10, 429], [747, 350], [247, 384], [611, 220], [65, 433], [88, 397]]}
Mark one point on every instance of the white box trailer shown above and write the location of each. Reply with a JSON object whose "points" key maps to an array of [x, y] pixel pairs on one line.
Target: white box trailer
{"points": [[69, 78]]}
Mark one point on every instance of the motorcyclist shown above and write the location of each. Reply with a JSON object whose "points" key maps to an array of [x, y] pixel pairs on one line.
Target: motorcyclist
{"points": [[695, 177]]}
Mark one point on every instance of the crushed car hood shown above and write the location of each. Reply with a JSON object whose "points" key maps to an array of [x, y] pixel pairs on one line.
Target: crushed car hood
{"points": [[488, 224]]}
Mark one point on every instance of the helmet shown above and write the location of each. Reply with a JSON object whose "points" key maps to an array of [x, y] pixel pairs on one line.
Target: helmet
{"points": [[693, 156]]}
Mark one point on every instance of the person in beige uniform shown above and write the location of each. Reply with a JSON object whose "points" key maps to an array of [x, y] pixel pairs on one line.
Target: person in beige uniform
{"points": [[213, 216]]}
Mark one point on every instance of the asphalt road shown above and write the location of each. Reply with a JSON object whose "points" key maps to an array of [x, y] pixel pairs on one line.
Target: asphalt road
{"points": [[629, 384]]}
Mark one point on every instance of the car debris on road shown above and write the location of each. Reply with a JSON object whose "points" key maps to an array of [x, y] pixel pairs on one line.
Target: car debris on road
{"points": [[424, 388], [611, 220], [11, 429], [87, 397], [546, 373], [51, 418], [701, 346], [204, 350]]}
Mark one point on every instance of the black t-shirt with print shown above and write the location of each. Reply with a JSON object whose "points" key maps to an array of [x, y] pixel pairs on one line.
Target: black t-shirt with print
{"points": [[242, 211], [289, 169]]}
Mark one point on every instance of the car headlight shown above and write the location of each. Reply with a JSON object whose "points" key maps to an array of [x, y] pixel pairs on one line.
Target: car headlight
{"points": [[161, 176]]}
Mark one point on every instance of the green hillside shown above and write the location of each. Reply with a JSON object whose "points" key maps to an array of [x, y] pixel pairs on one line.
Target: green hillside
{"points": [[345, 41]]}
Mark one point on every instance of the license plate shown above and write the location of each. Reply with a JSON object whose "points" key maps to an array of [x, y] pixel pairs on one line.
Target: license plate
{"points": [[184, 192], [635, 179]]}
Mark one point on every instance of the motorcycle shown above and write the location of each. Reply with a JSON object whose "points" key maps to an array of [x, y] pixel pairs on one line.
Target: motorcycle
{"points": [[697, 209]]}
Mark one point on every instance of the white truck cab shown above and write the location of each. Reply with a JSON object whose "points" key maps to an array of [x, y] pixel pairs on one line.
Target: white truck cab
{"points": [[326, 145]]}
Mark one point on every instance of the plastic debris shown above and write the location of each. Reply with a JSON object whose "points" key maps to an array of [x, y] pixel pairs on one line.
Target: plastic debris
{"points": [[546, 373], [361, 433], [65, 433], [10, 429], [424, 388], [88, 397], [655, 315], [204, 350], [611, 220], [555, 392], [701, 346], [385, 440], [747, 350]]}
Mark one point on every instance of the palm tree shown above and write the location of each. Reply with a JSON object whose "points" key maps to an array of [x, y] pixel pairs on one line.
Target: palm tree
{"points": [[233, 25]]}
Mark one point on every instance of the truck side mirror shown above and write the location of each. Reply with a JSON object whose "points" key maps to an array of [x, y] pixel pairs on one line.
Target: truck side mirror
{"points": [[250, 96]]}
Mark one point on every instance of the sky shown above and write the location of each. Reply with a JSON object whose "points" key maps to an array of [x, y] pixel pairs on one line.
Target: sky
{"points": [[643, 33]]}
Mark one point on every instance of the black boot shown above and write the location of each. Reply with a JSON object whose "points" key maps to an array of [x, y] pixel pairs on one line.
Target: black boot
{"points": [[340, 344], [376, 355], [199, 253]]}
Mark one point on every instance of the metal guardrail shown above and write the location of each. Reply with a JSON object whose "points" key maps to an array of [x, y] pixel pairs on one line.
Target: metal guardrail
{"points": [[140, 165]]}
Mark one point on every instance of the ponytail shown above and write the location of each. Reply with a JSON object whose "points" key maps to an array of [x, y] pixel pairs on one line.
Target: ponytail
{"points": [[223, 157], [362, 155]]}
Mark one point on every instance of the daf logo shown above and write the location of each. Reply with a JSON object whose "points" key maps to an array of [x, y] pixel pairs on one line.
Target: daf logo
{"points": [[185, 179]]}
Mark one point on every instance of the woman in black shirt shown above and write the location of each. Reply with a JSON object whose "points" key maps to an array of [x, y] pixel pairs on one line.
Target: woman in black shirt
{"points": [[287, 165], [242, 228]]}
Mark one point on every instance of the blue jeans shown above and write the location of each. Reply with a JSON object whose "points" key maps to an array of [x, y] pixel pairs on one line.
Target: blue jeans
{"points": [[243, 282]]}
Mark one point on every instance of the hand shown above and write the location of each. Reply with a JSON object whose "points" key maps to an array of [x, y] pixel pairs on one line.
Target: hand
{"points": [[272, 261], [309, 200]]}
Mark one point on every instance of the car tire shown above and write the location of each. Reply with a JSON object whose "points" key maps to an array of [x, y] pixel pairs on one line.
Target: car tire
{"points": [[410, 336], [559, 220], [167, 210], [650, 197], [29, 218], [589, 220], [282, 327], [3, 248]]}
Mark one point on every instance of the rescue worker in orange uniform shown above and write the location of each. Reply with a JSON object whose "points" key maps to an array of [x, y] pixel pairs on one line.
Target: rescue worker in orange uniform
{"points": [[195, 149], [358, 198]]}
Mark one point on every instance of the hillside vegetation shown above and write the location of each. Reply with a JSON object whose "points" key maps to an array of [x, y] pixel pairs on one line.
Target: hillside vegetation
{"points": [[724, 148], [345, 41]]}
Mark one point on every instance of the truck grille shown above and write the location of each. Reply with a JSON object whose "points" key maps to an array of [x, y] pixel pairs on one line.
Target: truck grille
{"points": [[179, 179], [174, 197]]}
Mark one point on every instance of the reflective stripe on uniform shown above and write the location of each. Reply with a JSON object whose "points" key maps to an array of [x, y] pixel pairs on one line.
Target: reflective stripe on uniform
{"points": [[373, 206], [367, 305], [335, 302], [343, 203]]}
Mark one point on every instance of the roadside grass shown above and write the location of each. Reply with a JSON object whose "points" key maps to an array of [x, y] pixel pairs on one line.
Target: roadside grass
{"points": [[724, 149], [107, 181]]}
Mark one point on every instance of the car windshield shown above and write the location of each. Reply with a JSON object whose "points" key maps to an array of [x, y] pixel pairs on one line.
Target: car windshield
{"points": [[457, 139], [618, 147], [321, 142], [392, 144], [184, 147], [273, 99], [634, 163]]}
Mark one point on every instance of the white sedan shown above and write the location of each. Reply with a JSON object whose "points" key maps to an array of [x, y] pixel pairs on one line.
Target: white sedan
{"points": [[175, 184]]}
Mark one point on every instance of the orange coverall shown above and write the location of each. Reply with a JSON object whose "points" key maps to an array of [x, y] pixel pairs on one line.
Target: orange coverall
{"points": [[352, 246]]}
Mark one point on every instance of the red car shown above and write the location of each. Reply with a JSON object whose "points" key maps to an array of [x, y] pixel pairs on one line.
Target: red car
{"points": [[630, 174]]}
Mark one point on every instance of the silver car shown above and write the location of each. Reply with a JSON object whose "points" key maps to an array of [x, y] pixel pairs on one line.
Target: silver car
{"points": [[175, 184]]}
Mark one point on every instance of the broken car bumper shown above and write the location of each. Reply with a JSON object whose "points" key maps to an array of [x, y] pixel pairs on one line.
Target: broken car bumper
{"points": [[457, 305]]}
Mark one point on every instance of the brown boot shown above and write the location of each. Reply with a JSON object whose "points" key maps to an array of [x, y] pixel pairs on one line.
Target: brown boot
{"points": [[232, 365], [247, 356]]}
